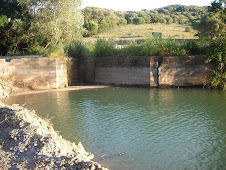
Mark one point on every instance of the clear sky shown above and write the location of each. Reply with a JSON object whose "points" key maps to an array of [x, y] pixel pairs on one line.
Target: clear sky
{"points": [[137, 5]]}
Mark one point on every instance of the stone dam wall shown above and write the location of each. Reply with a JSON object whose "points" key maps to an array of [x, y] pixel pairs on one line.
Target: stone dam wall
{"points": [[35, 73], [151, 71]]}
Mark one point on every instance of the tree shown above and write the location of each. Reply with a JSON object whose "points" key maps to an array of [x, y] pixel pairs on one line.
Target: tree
{"points": [[138, 20], [122, 21], [91, 27], [105, 24], [215, 33], [213, 23], [57, 21], [169, 20], [14, 9], [40, 22]]}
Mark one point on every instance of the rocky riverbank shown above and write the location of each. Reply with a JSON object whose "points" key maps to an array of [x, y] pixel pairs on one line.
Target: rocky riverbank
{"points": [[29, 142]]}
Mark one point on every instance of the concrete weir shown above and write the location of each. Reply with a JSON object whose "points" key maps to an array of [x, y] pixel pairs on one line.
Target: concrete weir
{"points": [[152, 71]]}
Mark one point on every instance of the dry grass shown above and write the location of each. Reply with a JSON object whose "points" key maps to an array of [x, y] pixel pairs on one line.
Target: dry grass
{"points": [[138, 32]]}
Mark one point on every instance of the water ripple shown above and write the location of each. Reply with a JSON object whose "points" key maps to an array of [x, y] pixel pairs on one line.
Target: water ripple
{"points": [[157, 128]]}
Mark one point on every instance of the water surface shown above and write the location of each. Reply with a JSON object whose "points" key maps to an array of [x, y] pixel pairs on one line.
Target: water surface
{"points": [[157, 128]]}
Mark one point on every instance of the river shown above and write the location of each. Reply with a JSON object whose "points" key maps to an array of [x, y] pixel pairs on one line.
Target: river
{"points": [[153, 128]]}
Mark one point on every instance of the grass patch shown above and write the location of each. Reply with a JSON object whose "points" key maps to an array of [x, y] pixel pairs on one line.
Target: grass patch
{"points": [[139, 32]]}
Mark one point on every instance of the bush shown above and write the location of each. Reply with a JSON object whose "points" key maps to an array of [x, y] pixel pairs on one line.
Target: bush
{"points": [[193, 47], [122, 21], [91, 27], [104, 48], [138, 20], [105, 24], [76, 49], [131, 49], [188, 29]]}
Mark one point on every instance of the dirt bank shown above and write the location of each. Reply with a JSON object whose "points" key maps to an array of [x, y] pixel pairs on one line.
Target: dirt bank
{"points": [[8, 87], [29, 142]]}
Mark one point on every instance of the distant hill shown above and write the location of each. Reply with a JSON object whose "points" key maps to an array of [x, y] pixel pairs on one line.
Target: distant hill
{"points": [[99, 20]]}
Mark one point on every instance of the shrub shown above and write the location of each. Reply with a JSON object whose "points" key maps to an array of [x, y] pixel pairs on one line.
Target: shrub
{"points": [[138, 20], [122, 21], [105, 24], [76, 49], [104, 48], [188, 29], [131, 49], [91, 27], [193, 47], [157, 47]]}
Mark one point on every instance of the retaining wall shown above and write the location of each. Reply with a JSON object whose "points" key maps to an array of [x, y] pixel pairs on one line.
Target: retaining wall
{"points": [[152, 71], [183, 71], [122, 70], [36, 73]]}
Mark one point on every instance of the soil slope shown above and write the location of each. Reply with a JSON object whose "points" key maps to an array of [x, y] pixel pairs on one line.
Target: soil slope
{"points": [[29, 142]]}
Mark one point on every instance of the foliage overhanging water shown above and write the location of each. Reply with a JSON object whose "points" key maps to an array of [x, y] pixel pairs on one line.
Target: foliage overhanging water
{"points": [[157, 128]]}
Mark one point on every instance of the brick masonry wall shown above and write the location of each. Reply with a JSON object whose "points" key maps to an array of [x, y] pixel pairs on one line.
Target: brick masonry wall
{"points": [[36, 73]]}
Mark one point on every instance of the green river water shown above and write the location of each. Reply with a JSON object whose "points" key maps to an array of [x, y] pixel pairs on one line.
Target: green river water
{"points": [[157, 128]]}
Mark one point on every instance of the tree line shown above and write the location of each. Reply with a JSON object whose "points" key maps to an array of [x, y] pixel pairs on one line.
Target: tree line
{"points": [[30, 26], [36, 26], [97, 20]]}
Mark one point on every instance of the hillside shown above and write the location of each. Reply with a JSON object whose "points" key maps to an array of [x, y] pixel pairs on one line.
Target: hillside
{"points": [[98, 20], [140, 32]]}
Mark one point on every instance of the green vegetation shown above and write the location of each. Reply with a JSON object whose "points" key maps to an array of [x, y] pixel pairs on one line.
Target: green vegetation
{"points": [[108, 19], [38, 26], [212, 29], [165, 47], [188, 29]]}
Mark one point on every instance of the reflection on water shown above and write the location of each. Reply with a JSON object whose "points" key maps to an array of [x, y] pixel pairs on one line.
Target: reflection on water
{"points": [[157, 128]]}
